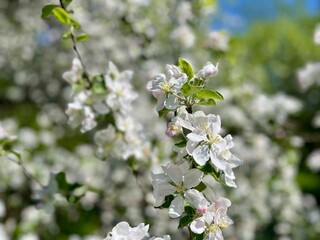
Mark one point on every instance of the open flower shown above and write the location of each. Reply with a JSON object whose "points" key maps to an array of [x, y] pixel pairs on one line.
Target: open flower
{"points": [[176, 180], [75, 73], [213, 216], [205, 143], [166, 87], [123, 231], [120, 93]]}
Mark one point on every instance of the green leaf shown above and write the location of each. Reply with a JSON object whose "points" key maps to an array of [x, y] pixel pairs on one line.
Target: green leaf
{"points": [[209, 102], [185, 67], [82, 37], [197, 236], [65, 188], [185, 221], [216, 175], [189, 210], [75, 24], [47, 10], [66, 2], [98, 88], [66, 35], [200, 187], [181, 143], [98, 85], [209, 94], [163, 112], [188, 89], [167, 201], [61, 15], [207, 168]]}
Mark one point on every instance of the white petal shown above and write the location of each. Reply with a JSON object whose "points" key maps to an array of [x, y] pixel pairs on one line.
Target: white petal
{"points": [[176, 207], [192, 178], [198, 226], [196, 137], [184, 167], [121, 229], [201, 154], [190, 147], [229, 181], [196, 199], [171, 102], [174, 173], [162, 189], [216, 161]]}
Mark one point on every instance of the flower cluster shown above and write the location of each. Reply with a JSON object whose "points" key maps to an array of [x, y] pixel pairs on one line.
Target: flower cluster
{"points": [[110, 97], [123, 231], [202, 151]]}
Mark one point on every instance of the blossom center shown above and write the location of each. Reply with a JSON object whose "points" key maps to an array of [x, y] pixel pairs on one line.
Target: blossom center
{"points": [[213, 138], [213, 228], [180, 188], [166, 87]]}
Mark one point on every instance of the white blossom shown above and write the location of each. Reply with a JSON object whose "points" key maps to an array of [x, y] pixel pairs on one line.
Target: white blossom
{"points": [[176, 179], [123, 231], [166, 87], [205, 143], [75, 73], [120, 93], [213, 216]]}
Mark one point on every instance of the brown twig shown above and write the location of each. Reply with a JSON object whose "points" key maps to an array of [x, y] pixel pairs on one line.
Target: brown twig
{"points": [[25, 171], [74, 43]]}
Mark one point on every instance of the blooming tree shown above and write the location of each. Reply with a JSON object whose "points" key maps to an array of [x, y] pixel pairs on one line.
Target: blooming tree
{"points": [[67, 193]]}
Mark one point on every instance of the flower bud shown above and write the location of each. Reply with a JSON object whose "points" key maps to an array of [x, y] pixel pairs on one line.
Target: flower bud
{"points": [[208, 71]]}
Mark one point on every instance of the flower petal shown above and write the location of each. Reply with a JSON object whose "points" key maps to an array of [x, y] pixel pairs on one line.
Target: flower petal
{"points": [[216, 161], [171, 102], [176, 207], [192, 178], [201, 154], [197, 137], [198, 226], [174, 173]]}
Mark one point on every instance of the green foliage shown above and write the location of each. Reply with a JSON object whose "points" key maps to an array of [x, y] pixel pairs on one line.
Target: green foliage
{"points": [[61, 15], [163, 112], [189, 211], [188, 89], [98, 85], [82, 37], [181, 143], [67, 189], [206, 94], [209, 169], [47, 10], [185, 221], [66, 3], [185, 67], [167, 201], [197, 236], [201, 186]]}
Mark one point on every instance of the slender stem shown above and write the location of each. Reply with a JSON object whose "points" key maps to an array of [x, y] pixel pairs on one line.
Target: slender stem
{"points": [[25, 171], [74, 43]]}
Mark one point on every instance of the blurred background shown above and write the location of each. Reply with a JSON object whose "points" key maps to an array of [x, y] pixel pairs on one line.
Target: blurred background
{"points": [[269, 74]]}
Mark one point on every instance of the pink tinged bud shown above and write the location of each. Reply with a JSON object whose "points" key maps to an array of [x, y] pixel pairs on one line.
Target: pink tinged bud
{"points": [[202, 210], [172, 129]]}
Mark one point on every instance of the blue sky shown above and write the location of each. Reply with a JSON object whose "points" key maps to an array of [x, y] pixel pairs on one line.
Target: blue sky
{"points": [[237, 15]]}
